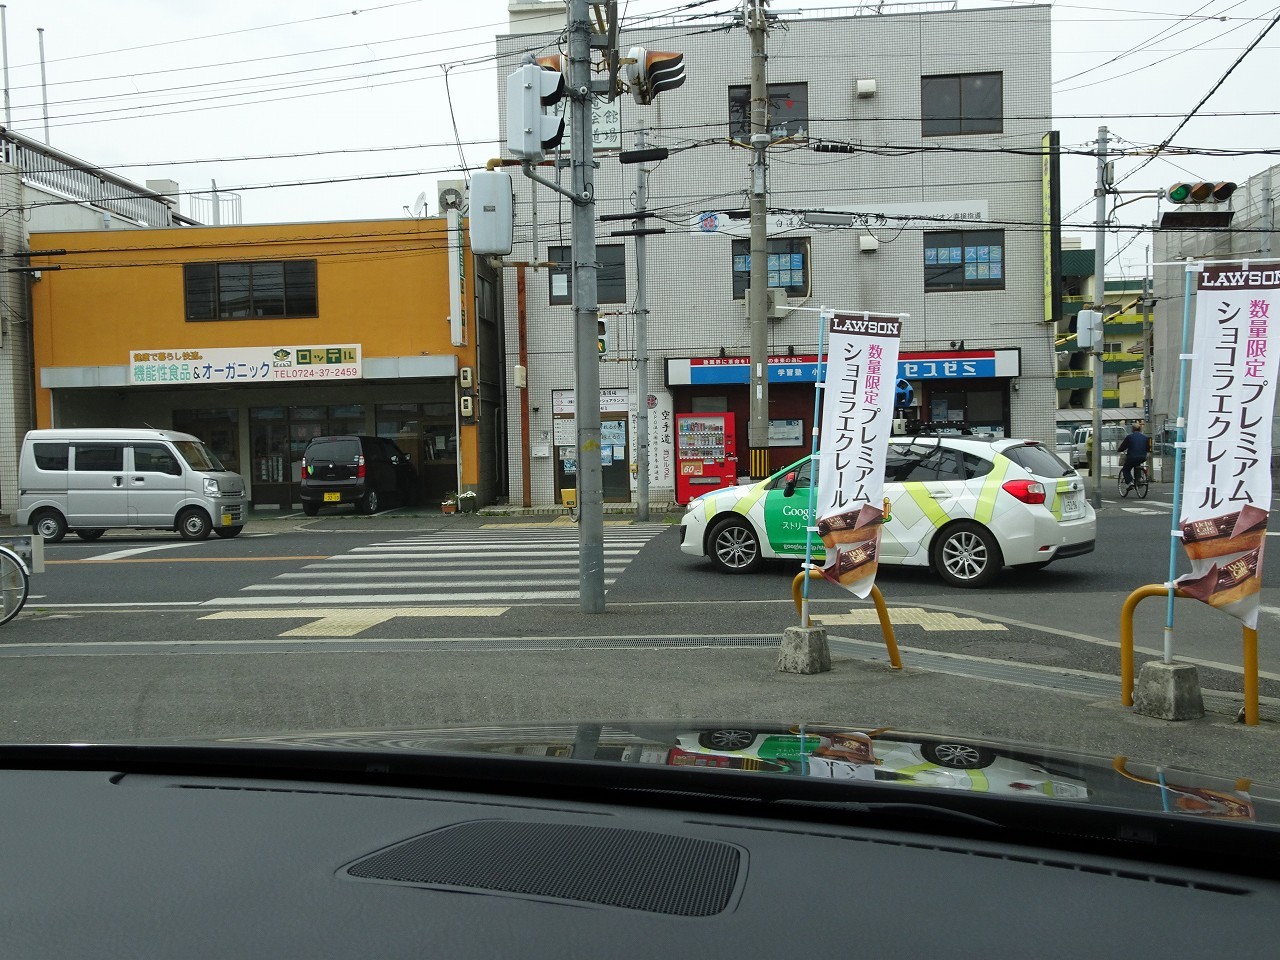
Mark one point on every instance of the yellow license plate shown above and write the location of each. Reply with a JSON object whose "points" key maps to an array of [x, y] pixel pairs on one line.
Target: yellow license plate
{"points": [[227, 520], [332, 497]]}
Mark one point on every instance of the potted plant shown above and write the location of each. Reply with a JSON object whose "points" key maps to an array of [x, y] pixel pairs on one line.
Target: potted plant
{"points": [[468, 501], [449, 503]]}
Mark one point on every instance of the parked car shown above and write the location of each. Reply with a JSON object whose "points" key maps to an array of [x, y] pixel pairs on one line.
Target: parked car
{"points": [[964, 506], [91, 480], [1064, 445], [1083, 448], [359, 470]]}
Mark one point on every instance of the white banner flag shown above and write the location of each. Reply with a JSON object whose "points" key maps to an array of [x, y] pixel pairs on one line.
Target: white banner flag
{"points": [[1227, 493], [857, 417]]}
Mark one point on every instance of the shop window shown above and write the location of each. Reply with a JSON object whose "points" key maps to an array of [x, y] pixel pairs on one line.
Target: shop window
{"points": [[611, 274], [250, 290], [788, 266], [962, 104], [964, 260], [787, 113]]}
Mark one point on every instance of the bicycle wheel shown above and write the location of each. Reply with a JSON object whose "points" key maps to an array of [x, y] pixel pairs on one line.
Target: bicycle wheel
{"points": [[1140, 482], [14, 584], [1124, 487]]}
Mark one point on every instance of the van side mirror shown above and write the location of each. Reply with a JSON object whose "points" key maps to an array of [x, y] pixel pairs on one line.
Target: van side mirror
{"points": [[789, 486]]}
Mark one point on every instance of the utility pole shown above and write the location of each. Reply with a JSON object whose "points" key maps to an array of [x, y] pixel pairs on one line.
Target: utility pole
{"points": [[1147, 366], [757, 294], [585, 316], [642, 340], [1099, 295]]}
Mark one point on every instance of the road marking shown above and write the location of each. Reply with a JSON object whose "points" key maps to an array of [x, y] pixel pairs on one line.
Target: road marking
{"points": [[568, 577], [121, 554], [347, 623], [383, 598], [928, 619], [558, 522], [1143, 511], [110, 559]]}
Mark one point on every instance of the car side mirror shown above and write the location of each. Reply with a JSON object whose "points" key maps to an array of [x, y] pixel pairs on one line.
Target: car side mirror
{"points": [[790, 485]]}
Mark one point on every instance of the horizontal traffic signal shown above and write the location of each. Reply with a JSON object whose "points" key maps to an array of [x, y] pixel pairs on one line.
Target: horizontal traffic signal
{"points": [[649, 72], [1201, 192]]}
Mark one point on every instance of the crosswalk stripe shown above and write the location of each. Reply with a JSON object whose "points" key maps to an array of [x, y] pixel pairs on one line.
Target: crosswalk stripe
{"points": [[462, 569], [392, 598]]}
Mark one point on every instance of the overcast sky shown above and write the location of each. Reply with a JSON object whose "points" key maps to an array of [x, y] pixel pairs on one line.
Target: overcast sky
{"points": [[260, 95]]}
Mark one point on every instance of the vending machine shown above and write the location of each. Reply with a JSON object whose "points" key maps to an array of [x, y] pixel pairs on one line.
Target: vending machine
{"points": [[706, 453]]}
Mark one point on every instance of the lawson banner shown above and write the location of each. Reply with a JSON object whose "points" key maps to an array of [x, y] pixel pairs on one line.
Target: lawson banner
{"points": [[1228, 455], [857, 417]]}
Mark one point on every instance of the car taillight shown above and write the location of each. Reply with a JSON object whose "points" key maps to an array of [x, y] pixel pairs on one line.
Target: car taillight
{"points": [[306, 468], [360, 471], [1028, 491]]}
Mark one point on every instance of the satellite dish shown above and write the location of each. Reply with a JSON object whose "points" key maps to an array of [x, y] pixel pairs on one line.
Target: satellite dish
{"points": [[450, 198], [420, 206]]}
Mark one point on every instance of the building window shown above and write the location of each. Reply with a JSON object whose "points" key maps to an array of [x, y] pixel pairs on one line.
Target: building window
{"points": [[788, 266], [611, 274], [964, 260], [963, 103], [787, 114], [248, 290]]}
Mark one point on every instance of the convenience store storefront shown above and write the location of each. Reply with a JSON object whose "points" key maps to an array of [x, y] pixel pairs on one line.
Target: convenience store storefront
{"points": [[953, 389]]}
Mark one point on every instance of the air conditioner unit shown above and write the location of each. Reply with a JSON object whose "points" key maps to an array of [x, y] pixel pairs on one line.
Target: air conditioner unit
{"points": [[864, 88], [776, 304], [451, 195]]}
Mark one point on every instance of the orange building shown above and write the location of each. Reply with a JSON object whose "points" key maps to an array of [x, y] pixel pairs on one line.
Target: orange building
{"points": [[256, 338]]}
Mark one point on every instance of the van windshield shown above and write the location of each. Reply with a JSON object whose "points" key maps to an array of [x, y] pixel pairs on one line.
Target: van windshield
{"points": [[197, 455]]}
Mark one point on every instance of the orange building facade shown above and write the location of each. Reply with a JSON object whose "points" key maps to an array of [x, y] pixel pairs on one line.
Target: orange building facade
{"points": [[256, 338]]}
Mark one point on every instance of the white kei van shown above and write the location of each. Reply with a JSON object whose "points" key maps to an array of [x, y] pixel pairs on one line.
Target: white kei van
{"points": [[90, 480]]}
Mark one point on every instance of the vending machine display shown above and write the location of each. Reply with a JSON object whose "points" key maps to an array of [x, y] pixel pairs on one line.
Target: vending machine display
{"points": [[706, 453]]}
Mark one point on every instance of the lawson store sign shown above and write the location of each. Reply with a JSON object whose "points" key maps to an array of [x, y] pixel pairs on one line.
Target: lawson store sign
{"points": [[928, 365]]}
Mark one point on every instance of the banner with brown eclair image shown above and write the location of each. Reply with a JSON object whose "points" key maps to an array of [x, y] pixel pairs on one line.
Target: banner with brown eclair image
{"points": [[857, 418], [1227, 488]]}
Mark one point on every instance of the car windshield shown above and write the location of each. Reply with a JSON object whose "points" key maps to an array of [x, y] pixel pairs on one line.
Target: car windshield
{"points": [[351, 255], [197, 455]]}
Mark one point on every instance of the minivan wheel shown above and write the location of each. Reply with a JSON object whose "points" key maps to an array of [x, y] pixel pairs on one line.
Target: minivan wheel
{"points": [[193, 524], [370, 502], [50, 525], [309, 508], [226, 533], [89, 534]]}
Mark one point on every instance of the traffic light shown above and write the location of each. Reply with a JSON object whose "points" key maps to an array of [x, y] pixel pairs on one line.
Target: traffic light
{"points": [[602, 338], [651, 72], [1201, 192], [531, 130]]}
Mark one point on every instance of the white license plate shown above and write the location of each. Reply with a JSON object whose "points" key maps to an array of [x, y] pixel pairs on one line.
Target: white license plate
{"points": [[1072, 505]]}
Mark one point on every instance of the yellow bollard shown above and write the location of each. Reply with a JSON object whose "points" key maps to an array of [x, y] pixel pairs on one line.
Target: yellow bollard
{"points": [[882, 612], [1250, 660]]}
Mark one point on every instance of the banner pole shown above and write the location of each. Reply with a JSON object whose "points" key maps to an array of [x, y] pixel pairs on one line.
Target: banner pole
{"points": [[1179, 448], [818, 386]]}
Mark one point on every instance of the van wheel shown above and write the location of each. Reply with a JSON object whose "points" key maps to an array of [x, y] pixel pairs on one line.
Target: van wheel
{"points": [[370, 502], [226, 533], [193, 524], [50, 525], [89, 534], [309, 508]]}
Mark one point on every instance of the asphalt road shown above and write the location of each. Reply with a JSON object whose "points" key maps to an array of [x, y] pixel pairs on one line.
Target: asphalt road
{"points": [[399, 620]]}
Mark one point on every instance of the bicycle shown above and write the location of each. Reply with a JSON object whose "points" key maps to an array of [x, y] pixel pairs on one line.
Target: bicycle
{"points": [[1141, 482], [15, 582]]}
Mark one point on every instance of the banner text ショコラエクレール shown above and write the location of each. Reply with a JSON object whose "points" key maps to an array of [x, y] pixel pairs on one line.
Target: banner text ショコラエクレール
{"points": [[857, 417], [1227, 493]]}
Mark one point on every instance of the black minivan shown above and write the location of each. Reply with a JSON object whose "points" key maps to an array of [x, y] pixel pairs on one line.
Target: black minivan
{"points": [[364, 471]]}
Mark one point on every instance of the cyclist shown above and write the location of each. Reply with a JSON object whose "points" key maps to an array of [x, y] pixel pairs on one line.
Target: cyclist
{"points": [[1135, 448]]}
